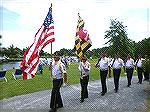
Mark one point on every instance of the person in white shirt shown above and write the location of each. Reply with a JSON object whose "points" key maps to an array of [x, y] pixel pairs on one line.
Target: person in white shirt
{"points": [[84, 68], [109, 68], [129, 66], [56, 70], [116, 64], [138, 64], [145, 69], [64, 64], [103, 64]]}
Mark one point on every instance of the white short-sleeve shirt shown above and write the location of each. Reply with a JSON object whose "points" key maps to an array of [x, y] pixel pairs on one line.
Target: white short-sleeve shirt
{"points": [[118, 63], [103, 63], [57, 71], [129, 63]]}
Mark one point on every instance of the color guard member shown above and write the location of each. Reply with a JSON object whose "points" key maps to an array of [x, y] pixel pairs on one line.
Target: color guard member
{"points": [[138, 64], [116, 63], [57, 76], [84, 68], [129, 66], [145, 69], [64, 64], [103, 64]]}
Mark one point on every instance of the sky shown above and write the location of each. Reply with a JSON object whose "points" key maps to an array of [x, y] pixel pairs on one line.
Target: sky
{"points": [[20, 20]]}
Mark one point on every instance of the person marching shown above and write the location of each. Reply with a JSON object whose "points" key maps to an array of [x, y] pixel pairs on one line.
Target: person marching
{"points": [[138, 64], [56, 69], [103, 65], [116, 63], [145, 69], [84, 68], [109, 68], [64, 64], [129, 66]]}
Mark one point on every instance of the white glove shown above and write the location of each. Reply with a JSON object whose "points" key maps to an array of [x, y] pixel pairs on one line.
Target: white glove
{"points": [[125, 73], [64, 84], [51, 78]]}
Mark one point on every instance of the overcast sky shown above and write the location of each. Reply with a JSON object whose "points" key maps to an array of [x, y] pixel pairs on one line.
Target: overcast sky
{"points": [[22, 18]]}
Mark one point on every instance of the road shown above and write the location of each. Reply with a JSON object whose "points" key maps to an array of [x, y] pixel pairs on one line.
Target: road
{"points": [[128, 99]]}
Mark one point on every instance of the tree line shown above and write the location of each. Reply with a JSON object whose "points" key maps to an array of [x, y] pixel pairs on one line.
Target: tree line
{"points": [[14, 52], [118, 43]]}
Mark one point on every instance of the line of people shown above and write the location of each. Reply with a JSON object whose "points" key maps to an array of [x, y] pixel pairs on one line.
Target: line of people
{"points": [[116, 64], [105, 65]]}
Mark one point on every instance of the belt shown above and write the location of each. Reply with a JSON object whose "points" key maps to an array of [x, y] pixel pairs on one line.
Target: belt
{"points": [[103, 69], [116, 68], [56, 78], [129, 67]]}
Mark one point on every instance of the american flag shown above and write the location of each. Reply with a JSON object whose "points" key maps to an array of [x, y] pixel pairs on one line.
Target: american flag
{"points": [[43, 37]]}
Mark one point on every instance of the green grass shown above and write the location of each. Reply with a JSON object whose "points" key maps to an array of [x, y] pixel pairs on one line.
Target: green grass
{"points": [[41, 82]]}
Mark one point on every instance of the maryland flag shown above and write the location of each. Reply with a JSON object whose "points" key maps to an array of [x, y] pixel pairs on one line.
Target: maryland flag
{"points": [[82, 40]]}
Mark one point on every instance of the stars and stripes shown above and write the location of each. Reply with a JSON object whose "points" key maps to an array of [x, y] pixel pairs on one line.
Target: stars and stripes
{"points": [[43, 37], [82, 40]]}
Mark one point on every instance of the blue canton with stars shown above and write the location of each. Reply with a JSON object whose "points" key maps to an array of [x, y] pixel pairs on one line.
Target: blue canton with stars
{"points": [[49, 19]]}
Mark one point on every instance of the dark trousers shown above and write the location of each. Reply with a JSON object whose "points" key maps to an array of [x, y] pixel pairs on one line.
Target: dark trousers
{"points": [[103, 75], [146, 75], [84, 84], [129, 75], [116, 74], [56, 100], [140, 76]]}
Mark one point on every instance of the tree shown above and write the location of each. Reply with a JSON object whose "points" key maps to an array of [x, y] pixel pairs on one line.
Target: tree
{"points": [[142, 47], [146, 64], [0, 38], [97, 52], [66, 52], [118, 40], [13, 52]]}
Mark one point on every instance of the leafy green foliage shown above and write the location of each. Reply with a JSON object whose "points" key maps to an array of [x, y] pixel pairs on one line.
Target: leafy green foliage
{"points": [[118, 40], [146, 64]]}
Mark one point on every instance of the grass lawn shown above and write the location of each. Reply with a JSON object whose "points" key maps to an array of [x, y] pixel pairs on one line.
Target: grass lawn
{"points": [[41, 82]]}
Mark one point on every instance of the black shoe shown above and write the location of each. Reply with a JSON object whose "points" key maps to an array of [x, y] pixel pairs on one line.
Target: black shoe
{"points": [[86, 97], [146, 79], [59, 106], [82, 100], [128, 85], [116, 90], [102, 94], [53, 110]]}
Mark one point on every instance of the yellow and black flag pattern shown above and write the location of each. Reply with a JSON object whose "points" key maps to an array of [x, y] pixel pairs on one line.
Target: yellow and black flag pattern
{"points": [[82, 40]]}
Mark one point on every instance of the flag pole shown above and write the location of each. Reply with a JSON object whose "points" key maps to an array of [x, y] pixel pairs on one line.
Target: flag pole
{"points": [[51, 42], [51, 49], [50, 66]]}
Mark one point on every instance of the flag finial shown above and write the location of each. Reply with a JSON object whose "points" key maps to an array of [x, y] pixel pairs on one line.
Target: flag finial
{"points": [[78, 14], [51, 4]]}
